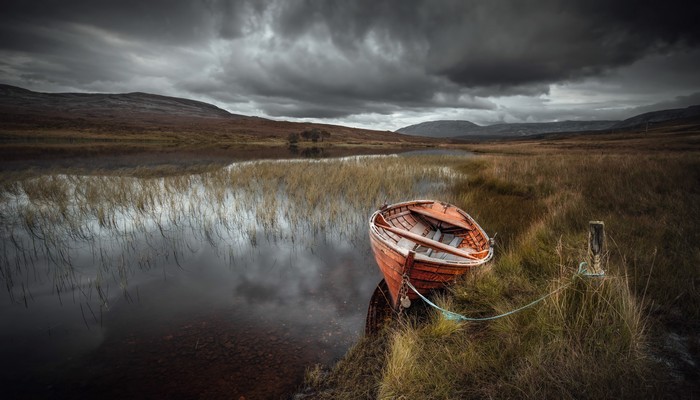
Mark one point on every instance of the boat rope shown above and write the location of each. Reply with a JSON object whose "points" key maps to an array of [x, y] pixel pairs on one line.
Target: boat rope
{"points": [[450, 315], [582, 270]]}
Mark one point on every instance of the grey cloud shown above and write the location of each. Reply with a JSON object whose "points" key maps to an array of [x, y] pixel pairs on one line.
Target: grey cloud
{"points": [[304, 110], [161, 21], [505, 43], [500, 48], [329, 59]]}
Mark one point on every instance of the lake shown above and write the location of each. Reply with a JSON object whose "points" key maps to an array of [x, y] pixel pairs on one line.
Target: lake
{"points": [[225, 282]]}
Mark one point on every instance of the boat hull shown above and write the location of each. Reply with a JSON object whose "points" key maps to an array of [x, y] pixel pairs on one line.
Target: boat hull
{"points": [[425, 272]]}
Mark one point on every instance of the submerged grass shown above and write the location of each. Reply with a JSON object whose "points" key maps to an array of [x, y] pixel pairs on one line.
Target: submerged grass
{"points": [[593, 338], [66, 229]]}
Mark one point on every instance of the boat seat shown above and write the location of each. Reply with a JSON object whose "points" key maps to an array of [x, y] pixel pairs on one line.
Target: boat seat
{"points": [[452, 257], [447, 238], [418, 229], [435, 235], [456, 241]]}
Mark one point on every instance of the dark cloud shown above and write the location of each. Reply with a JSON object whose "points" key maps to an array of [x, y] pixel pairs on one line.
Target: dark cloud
{"points": [[161, 21], [557, 42], [503, 43], [296, 110], [330, 59]]}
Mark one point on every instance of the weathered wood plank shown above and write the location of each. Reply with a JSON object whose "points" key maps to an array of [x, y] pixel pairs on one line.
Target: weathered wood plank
{"points": [[429, 212], [596, 244], [397, 215]]}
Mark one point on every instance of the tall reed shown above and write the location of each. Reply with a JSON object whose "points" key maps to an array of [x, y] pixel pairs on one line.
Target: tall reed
{"points": [[102, 227]]}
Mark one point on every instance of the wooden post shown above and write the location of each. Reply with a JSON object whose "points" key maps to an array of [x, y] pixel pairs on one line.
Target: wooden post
{"points": [[596, 244]]}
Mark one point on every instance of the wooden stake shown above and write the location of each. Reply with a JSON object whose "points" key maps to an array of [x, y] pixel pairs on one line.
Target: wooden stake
{"points": [[596, 244]]}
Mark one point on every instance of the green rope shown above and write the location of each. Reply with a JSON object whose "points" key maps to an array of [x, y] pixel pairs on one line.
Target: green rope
{"points": [[582, 270], [450, 315]]}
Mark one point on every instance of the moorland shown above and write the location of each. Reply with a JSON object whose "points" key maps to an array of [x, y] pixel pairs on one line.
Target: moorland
{"points": [[631, 334]]}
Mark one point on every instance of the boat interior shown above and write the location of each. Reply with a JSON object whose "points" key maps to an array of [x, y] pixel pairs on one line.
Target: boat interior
{"points": [[456, 233]]}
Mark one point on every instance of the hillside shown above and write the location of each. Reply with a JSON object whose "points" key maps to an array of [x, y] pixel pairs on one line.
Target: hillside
{"points": [[29, 115], [681, 117], [105, 105], [659, 116], [445, 128]]}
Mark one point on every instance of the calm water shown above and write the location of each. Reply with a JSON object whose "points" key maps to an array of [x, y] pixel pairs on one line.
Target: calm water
{"points": [[215, 285]]}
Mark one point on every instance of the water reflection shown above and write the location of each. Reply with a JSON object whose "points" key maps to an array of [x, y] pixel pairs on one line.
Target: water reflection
{"points": [[308, 152], [184, 285]]}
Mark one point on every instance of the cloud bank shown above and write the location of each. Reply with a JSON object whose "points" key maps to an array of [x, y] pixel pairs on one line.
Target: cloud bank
{"points": [[377, 63]]}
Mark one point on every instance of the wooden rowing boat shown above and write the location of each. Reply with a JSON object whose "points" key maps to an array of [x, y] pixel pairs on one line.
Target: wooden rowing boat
{"points": [[431, 242]]}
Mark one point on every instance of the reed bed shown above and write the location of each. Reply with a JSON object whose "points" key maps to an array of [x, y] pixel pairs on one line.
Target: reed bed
{"points": [[89, 234]]}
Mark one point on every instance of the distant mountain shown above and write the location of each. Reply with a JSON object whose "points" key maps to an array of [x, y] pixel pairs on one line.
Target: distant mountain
{"points": [[470, 130], [445, 128], [659, 116]]}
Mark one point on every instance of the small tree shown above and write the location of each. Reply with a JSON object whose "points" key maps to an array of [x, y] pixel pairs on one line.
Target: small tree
{"points": [[315, 135], [312, 134], [293, 139]]}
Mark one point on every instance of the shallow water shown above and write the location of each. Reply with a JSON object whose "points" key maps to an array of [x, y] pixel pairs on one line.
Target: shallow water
{"points": [[217, 285]]}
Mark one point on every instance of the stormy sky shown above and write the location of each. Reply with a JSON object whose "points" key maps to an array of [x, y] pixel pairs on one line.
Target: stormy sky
{"points": [[369, 63]]}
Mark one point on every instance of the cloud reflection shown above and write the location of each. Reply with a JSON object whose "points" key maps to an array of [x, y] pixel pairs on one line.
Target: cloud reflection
{"points": [[271, 245]]}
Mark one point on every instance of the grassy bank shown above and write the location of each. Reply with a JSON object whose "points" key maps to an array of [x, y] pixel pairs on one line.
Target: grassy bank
{"points": [[633, 334]]}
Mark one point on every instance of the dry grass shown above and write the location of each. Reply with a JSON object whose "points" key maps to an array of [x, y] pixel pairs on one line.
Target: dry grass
{"points": [[648, 203], [592, 339]]}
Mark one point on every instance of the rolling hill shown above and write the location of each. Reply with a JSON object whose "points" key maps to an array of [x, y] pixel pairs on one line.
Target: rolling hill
{"points": [[29, 115], [471, 131], [658, 117], [443, 128]]}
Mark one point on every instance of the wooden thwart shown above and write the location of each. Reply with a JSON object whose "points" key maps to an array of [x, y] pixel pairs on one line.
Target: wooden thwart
{"points": [[428, 212]]}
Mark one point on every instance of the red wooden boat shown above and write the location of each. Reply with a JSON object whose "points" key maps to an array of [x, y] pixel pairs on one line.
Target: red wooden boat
{"points": [[431, 242]]}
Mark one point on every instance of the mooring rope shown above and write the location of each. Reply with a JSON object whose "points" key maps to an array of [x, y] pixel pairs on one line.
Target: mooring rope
{"points": [[450, 315], [583, 271]]}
